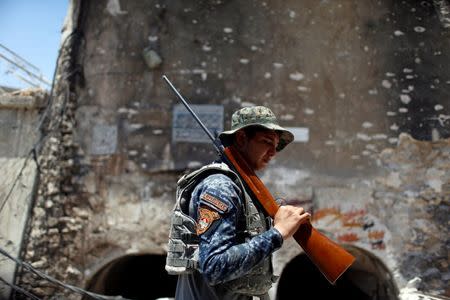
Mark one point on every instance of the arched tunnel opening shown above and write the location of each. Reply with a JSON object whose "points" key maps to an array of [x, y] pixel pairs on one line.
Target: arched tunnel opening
{"points": [[144, 277], [134, 277], [368, 278]]}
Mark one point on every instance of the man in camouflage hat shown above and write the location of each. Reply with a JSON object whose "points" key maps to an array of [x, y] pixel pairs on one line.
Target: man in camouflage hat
{"points": [[257, 116], [234, 241]]}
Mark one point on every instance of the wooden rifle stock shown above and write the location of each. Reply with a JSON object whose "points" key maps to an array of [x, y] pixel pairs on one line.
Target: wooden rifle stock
{"points": [[331, 259]]}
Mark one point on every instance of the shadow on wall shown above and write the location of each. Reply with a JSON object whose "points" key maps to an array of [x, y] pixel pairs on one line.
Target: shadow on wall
{"points": [[135, 277], [368, 278]]}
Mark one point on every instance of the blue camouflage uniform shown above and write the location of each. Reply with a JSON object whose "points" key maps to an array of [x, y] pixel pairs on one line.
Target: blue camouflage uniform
{"points": [[226, 254]]}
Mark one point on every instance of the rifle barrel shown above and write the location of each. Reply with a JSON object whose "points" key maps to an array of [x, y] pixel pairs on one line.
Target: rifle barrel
{"points": [[190, 110]]}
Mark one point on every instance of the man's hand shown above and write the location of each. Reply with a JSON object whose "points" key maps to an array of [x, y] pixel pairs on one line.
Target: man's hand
{"points": [[289, 218]]}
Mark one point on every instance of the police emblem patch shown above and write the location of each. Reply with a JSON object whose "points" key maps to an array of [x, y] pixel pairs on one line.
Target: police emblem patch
{"points": [[205, 219]]}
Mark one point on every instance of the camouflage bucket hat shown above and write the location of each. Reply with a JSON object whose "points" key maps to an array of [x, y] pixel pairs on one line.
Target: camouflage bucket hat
{"points": [[256, 116]]}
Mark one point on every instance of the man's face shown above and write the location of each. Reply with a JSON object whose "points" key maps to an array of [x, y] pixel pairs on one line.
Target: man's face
{"points": [[259, 149]]}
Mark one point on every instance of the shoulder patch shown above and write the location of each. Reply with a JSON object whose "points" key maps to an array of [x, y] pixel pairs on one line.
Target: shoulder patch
{"points": [[206, 217], [215, 202]]}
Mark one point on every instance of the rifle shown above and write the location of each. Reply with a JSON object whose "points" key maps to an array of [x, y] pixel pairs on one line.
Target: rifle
{"points": [[331, 259]]}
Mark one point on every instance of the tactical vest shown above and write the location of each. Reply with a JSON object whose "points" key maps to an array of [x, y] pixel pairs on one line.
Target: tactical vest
{"points": [[182, 254]]}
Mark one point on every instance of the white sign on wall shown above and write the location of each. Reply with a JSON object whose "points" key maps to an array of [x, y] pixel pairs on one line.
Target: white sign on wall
{"points": [[301, 134], [186, 129], [104, 139]]}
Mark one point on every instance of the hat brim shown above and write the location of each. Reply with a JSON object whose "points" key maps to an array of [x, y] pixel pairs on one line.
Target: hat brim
{"points": [[286, 136]]}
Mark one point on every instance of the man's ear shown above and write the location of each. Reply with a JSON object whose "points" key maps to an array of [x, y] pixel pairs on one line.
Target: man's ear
{"points": [[240, 138]]}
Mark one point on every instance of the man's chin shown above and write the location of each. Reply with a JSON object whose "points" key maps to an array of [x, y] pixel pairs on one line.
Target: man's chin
{"points": [[262, 165]]}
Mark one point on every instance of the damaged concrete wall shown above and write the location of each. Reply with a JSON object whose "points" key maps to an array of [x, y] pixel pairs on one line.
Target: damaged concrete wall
{"points": [[413, 201], [348, 77], [20, 114], [400, 215]]}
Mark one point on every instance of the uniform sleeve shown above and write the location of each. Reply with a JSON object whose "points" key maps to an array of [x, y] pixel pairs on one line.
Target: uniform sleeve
{"points": [[217, 205]]}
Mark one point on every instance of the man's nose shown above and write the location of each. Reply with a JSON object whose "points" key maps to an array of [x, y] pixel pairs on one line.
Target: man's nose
{"points": [[272, 150]]}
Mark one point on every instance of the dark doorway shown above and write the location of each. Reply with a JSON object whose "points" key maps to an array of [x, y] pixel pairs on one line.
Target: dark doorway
{"points": [[135, 277], [366, 279]]}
